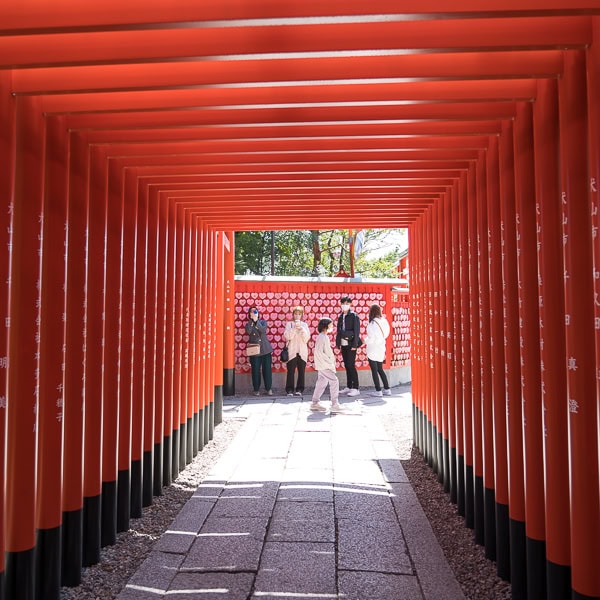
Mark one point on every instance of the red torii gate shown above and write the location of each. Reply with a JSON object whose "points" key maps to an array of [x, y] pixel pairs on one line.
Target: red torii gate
{"points": [[135, 139]]}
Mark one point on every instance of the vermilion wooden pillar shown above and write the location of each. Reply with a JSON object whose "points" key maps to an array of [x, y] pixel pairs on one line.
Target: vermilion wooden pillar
{"points": [[203, 326], [162, 476], [450, 353], [89, 194], [552, 340], [171, 442], [581, 362], [186, 382], [429, 399], [487, 414], [23, 348], [124, 462], [52, 363], [75, 340], [134, 196], [512, 365], [458, 350], [179, 414], [593, 90], [497, 347], [218, 325], [418, 307], [112, 314], [7, 163], [436, 372], [194, 334], [210, 305], [444, 342], [415, 333], [475, 366], [151, 474], [200, 344], [466, 345], [229, 315], [529, 345]]}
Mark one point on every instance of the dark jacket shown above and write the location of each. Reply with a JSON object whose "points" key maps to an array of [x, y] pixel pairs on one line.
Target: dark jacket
{"points": [[348, 327], [257, 334]]}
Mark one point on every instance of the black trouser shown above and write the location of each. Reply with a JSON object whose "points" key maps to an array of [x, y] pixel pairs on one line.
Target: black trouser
{"points": [[292, 365], [259, 363], [377, 371], [349, 356]]}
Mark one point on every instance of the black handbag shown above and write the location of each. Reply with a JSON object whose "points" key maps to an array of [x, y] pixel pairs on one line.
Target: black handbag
{"points": [[285, 355]]}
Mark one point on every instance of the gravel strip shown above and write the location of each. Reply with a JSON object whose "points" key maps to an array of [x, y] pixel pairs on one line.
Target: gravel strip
{"points": [[106, 579], [475, 574]]}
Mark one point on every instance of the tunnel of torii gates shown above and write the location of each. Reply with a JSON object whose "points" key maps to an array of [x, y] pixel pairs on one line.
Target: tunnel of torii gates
{"points": [[137, 137]]}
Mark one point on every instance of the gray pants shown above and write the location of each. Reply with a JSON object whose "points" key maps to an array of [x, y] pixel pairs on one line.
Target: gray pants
{"points": [[327, 377]]}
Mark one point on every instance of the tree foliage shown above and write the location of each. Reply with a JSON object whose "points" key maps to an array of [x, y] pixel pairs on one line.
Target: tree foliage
{"points": [[316, 253]]}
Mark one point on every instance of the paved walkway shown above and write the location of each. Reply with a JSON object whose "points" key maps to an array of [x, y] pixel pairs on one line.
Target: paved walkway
{"points": [[302, 506]]}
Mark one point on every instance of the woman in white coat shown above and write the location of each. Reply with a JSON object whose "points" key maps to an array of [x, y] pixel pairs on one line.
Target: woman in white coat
{"points": [[296, 335], [378, 330]]}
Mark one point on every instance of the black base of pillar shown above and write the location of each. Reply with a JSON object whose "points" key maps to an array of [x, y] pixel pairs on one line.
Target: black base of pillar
{"points": [[91, 530], [123, 499], [558, 581], [166, 466], [201, 439], [446, 465], [453, 480], [479, 512], [489, 516], [183, 437], [20, 575], [536, 568], [174, 454], [135, 511], [439, 457], [229, 382], [147, 477], [206, 420], [189, 441], [2, 586], [211, 420], [502, 542], [72, 547], [431, 435], [47, 563], [469, 497], [157, 471], [518, 560], [218, 404], [460, 500], [194, 433], [108, 532]]}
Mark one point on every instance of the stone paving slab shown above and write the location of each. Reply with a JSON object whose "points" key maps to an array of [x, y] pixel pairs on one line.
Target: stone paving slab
{"points": [[302, 505], [296, 568], [360, 585], [372, 544], [302, 522], [227, 544], [211, 586]]}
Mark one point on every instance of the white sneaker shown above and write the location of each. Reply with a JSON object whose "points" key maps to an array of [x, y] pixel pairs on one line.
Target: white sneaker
{"points": [[345, 390], [377, 394], [315, 406], [290, 394], [336, 408], [353, 392], [387, 392]]}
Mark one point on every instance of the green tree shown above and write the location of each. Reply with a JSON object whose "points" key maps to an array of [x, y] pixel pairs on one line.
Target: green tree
{"points": [[316, 253]]}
